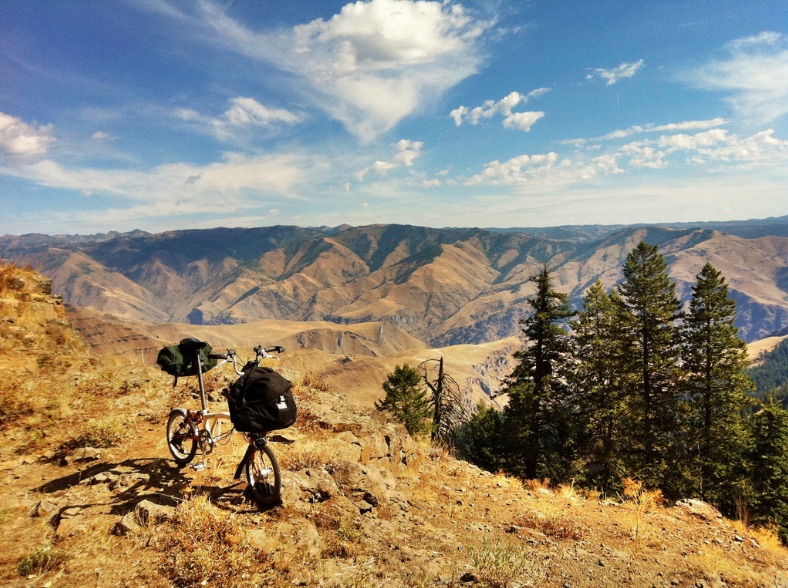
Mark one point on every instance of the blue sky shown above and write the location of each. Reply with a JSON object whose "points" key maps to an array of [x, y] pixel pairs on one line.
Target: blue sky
{"points": [[166, 114]]}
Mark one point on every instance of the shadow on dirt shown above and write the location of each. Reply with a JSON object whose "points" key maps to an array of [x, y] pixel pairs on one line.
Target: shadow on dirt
{"points": [[154, 479]]}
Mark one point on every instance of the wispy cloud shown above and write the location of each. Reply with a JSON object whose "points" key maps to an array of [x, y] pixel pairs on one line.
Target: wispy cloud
{"points": [[243, 113], [370, 65], [652, 128], [754, 75], [612, 76], [522, 121], [224, 181]]}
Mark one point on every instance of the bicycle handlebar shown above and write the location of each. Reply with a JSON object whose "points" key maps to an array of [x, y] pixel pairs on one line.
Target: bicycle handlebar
{"points": [[260, 353]]}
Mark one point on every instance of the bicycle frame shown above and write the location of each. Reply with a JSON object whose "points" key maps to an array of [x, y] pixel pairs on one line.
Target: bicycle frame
{"points": [[189, 429]]}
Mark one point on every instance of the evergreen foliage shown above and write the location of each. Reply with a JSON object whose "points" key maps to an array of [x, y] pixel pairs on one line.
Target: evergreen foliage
{"points": [[538, 415], [639, 389], [654, 400], [771, 376], [602, 350], [715, 360], [768, 460], [406, 400]]}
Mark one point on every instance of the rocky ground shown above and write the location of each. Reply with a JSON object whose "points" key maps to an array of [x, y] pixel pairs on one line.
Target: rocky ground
{"points": [[362, 505], [91, 497]]}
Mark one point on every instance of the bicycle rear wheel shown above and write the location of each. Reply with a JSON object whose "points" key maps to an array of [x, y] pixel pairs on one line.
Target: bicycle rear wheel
{"points": [[265, 479], [180, 439]]}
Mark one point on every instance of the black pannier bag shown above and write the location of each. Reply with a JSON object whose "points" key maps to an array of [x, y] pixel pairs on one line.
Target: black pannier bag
{"points": [[181, 360], [261, 401]]}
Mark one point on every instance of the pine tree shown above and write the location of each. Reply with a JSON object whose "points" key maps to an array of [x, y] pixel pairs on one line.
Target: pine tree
{"points": [[538, 415], [768, 460], [715, 361], [406, 399], [482, 440], [654, 403], [601, 349]]}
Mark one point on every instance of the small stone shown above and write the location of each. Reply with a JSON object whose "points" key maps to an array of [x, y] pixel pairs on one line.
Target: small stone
{"points": [[43, 508]]}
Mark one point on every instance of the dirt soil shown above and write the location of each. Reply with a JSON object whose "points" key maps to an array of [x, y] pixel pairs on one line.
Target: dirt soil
{"points": [[363, 505]]}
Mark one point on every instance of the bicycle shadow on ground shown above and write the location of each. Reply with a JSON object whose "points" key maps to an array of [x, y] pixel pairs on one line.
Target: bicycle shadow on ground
{"points": [[157, 480]]}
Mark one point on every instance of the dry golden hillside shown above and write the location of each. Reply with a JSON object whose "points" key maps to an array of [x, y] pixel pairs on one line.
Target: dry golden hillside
{"points": [[91, 497]]}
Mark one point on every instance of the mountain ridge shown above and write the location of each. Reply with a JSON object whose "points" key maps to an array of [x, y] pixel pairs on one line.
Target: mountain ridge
{"points": [[443, 286]]}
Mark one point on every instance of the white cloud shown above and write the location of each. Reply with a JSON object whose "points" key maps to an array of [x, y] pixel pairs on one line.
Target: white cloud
{"points": [[20, 140], [368, 66], [551, 171], [515, 170], [625, 70], [754, 76], [652, 128], [248, 111], [716, 145], [406, 152], [101, 136], [225, 180], [503, 107], [522, 121], [244, 113]]}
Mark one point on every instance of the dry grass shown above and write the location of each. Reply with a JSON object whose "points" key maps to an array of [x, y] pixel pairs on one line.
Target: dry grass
{"points": [[499, 563], [309, 453], [554, 525], [203, 545], [41, 562], [642, 502]]}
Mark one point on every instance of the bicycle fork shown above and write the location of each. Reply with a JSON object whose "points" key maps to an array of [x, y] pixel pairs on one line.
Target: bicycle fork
{"points": [[249, 455]]}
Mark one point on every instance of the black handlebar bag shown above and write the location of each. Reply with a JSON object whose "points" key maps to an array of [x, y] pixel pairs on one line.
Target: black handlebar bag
{"points": [[260, 401]]}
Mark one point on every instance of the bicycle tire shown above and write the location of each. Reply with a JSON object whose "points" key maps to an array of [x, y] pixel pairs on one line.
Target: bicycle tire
{"points": [[183, 449], [264, 477]]}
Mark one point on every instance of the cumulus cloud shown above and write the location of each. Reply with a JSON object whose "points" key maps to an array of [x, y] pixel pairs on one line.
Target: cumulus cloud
{"points": [[709, 146], [515, 170], [753, 75], [368, 66], [522, 121], [20, 140], [625, 70], [503, 107], [406, 152]]}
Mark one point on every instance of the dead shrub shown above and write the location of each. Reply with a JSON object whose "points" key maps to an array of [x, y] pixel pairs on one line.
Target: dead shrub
{"points": [[556, 526]]}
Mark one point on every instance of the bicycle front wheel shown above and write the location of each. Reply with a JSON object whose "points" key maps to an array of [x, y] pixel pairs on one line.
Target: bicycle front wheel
{"points": [[180, 439], [262, 472]]}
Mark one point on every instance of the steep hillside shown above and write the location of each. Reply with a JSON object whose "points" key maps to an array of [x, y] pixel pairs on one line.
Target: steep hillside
{"points": [[443, 286], [91, 496], [353, 358]]}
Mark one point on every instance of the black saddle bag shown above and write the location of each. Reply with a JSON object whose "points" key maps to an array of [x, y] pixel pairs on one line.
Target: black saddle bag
{"points": [[261, 401]]}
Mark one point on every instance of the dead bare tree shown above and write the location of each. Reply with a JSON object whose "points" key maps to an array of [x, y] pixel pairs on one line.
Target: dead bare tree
{"points": [[450, 405]]}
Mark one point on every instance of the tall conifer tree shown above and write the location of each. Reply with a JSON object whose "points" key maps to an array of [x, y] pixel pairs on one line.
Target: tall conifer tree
{"points": [[538, 413], [654, 401], [715, 359], [601, 349], [768, 459]]}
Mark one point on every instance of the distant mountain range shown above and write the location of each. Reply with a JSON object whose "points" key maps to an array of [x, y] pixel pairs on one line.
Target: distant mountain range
{"points": [[442, 286]]}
